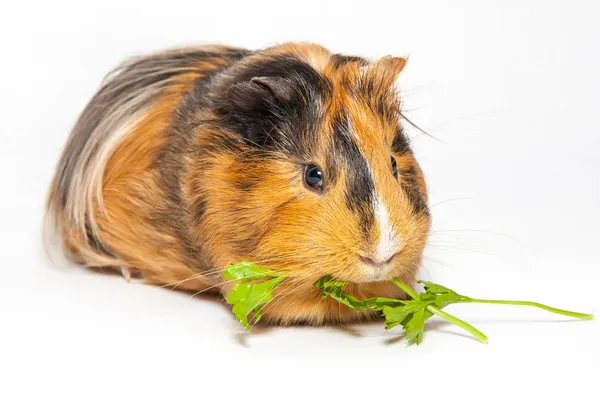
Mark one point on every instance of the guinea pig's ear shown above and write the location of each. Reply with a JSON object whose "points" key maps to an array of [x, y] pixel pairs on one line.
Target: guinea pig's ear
{"points": [[261, 93], [255, 105], [388, 68], [393, 65]]}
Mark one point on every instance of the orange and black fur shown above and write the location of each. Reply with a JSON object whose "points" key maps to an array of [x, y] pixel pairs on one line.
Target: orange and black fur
{"points": [[292, 157]]}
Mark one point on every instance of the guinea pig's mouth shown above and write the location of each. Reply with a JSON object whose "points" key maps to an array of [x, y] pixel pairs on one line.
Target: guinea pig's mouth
{"points": [[373, 271], [375, 275], [369, 270], [369, 273]]}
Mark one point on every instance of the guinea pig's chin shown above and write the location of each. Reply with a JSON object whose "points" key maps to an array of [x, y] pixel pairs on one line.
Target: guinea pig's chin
{"points": [[374, 274]]}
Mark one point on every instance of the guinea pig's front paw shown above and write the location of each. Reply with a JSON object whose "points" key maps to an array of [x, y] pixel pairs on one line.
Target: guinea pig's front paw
{"points": [[307, 307], [326, 312]]}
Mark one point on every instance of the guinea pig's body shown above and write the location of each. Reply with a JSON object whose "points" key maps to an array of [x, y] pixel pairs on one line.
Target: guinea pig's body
{"points": [[291, 157]]}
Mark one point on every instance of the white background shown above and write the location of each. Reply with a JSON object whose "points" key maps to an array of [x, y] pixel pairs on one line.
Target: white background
{"points": [[510, 89]]}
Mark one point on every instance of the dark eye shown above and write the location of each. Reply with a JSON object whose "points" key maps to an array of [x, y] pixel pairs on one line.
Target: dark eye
{"points": [[313, 177], [394, 168]]}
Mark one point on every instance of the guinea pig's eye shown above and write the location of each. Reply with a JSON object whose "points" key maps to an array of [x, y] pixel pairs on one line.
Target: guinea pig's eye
{"points": [[394, 167], [313, 178]]}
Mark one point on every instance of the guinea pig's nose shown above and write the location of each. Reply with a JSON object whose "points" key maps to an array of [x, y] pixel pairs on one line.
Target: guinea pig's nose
{"points": [[374, 261]]}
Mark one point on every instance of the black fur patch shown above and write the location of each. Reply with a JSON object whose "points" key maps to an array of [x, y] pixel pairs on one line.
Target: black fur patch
{"points": [[400, 144], [410, 186], [275, 104], [345, 154]]}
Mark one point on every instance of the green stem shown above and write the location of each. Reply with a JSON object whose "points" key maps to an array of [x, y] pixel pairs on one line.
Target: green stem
{"points": [[405, 288], [459, 322], [531, 304]]}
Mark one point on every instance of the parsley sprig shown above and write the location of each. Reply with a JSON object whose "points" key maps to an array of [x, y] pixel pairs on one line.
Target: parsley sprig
{"points": [[413, 313], [248, 296]]}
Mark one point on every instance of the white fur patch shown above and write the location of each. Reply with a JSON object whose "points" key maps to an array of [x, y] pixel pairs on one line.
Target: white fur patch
{"points": [[389, 242]]}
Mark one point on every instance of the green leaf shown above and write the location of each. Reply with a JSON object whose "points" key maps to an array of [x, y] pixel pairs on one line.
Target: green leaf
{"points": [[443, 300], [401, 314], [435, 289], [378, 303], [248, 296], [338, 294], [328, 282], [414, 327], [333, 289], [394, 316], [247, 271]]}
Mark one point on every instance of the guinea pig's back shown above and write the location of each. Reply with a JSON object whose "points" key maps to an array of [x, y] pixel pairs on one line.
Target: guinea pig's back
{"points": [[107, 201]]}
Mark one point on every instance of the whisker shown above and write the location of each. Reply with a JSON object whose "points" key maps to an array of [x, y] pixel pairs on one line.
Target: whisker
{"points": [[211, 287], [226, 282], [293, 288], [456, 232], [266, 306], [428, 273], [194, 276], [449, 200], [444, 247], [439, 262], [419, 129], [452, 121]]}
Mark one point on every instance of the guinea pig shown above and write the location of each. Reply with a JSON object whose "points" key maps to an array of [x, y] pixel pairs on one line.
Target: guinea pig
{"points": [[292, 157]]}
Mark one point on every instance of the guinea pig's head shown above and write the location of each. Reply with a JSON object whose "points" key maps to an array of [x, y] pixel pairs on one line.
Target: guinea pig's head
{"points": [[310, 169]]}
